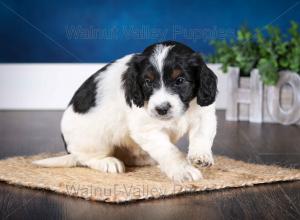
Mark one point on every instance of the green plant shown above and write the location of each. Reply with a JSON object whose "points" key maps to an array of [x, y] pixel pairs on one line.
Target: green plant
{"points": [[293, 57], [268, 50]]}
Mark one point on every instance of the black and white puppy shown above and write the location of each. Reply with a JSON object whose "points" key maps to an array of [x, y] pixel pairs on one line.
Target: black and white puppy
{"points": [[135, 109]]}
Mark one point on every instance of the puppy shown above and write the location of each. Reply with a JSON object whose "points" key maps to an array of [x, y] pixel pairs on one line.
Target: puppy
{"points": [[135, 109]]}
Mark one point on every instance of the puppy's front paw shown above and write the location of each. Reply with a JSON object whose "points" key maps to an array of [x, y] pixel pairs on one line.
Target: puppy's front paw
{"points": [[201, 158], [183, 172]]}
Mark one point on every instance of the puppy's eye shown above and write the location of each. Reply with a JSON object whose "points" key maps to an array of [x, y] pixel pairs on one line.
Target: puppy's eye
{"points": [[179, 80], [148, 82]]}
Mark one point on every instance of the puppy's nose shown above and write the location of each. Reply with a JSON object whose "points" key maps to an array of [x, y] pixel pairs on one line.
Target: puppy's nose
{"points": [[163, 108]]}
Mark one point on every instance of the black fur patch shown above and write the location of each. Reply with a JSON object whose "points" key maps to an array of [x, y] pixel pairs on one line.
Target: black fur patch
{"points": [[85, 97], [131, 86], [207, 87]]}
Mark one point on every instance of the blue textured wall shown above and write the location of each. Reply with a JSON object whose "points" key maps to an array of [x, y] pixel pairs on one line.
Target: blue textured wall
{"points": [[100, 31]]}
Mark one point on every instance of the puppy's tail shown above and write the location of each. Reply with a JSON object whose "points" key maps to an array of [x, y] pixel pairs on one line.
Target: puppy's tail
{"points": [[68, 160]]}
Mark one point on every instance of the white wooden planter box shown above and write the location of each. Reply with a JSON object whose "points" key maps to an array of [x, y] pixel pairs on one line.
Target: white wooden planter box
{"points": [[250, 100]]}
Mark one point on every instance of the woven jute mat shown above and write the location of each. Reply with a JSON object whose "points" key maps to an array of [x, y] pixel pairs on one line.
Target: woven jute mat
{"points": [[137, 183]]}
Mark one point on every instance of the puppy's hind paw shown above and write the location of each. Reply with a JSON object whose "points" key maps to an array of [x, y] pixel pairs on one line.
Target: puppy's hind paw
{"points": [[107, 165]]}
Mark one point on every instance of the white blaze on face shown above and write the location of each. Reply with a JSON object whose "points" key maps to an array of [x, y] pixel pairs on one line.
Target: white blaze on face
{"points": [[162, 95], [159, 55]]}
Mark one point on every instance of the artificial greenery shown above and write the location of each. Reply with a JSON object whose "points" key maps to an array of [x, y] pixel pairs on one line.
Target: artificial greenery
{"points": [[268, 50]]}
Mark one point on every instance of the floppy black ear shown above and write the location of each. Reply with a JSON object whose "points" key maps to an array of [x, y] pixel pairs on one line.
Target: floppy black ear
{"points": [[206, 79], [131, 85]]}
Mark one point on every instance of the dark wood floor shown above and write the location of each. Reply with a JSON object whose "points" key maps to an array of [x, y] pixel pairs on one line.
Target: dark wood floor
{"points": [[31, 132]]}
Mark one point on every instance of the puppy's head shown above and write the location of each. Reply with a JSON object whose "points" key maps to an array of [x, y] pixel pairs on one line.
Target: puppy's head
{"points": [[166, 77]]}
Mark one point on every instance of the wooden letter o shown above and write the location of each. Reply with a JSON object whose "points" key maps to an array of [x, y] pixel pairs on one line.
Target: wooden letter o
{"points": [[292, 115]]}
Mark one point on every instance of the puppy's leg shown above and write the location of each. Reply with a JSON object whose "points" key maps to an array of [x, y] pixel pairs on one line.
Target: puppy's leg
{"points": [[172, 162], [68, 160], [201, 135], [99, 161], [102, 161]]}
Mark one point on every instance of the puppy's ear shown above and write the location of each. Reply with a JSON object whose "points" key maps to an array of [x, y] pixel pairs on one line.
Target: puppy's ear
{"points": [[131, 84], [206, 81]]}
